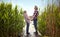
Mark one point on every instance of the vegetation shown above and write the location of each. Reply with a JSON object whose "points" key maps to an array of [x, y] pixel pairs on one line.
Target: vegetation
{"points": [[49, 21], [42, 23], [11, 20]]}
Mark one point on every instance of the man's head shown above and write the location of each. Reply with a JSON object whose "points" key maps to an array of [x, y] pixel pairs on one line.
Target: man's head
{"points": [[35, 8]]}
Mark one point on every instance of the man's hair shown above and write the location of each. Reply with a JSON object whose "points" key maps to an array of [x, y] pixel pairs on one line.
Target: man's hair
{"points": [[36, 7]]}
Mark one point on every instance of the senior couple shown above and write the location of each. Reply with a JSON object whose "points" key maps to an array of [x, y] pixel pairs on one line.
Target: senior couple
{"points": [[34, 18]]}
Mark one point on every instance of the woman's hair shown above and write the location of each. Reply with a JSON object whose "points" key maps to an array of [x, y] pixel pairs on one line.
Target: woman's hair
{"points": [[25, 11], [36, 8]]}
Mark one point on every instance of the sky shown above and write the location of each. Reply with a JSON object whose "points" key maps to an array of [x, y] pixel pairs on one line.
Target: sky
{"points": [[28, 5]]}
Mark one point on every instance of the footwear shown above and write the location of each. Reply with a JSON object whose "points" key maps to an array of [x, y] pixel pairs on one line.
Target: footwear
{"points": [[35, 32], [27, 33]]}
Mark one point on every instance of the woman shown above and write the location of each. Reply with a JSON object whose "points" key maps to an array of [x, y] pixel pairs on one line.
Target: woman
{"points": [[27, 19]]}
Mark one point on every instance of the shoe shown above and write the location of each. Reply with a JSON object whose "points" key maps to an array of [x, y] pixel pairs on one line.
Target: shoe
{"points": [[27, 33], [36, 33]]}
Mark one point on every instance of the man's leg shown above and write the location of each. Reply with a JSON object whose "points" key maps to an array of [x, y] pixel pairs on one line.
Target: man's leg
{"points": [[35, 24], [27, 28]]}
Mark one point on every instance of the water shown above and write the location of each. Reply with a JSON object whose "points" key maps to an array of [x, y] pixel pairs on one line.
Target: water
{"points": [[31, 30]]}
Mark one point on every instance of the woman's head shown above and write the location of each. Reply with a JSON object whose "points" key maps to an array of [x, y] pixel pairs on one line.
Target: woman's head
{"points": [[25, 11], [35, 8]]}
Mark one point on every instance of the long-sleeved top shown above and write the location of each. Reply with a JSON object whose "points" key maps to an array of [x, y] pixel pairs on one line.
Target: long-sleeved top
{"points": [[27, 19], [35, 14]]}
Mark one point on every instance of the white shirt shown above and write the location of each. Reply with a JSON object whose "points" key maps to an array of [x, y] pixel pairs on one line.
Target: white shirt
{"points": [[27, 19]]}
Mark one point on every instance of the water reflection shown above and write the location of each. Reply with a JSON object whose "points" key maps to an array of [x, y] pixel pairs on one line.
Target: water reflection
{"points": [[31, 30], [33, 35]]}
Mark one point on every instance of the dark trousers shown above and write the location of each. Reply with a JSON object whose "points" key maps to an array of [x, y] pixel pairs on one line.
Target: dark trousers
{"points": [[35, 24], [27, 28]]}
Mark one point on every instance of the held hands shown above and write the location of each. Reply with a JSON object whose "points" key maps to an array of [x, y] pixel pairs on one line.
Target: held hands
{"points": [[31, 18]]}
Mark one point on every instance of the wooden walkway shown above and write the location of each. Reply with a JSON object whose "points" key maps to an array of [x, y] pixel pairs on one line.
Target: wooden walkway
{"points": [[31, 30]]}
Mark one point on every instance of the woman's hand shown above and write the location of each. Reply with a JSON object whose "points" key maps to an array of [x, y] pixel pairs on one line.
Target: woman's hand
{"points": [[31, 18]]}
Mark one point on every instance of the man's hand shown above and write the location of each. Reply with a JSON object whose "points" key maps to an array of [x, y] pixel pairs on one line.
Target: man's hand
{"points": [[31, 18]]}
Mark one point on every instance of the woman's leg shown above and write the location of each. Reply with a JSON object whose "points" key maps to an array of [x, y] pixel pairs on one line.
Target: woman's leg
{"points": [[27, 28]]}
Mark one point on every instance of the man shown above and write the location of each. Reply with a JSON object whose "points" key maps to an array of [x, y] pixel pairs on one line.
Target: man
{"points": [[35, 18]]}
